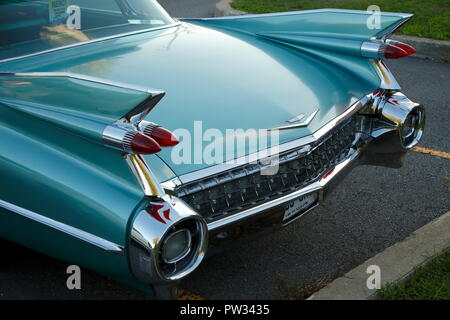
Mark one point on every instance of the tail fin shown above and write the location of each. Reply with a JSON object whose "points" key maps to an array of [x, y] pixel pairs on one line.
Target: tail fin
{"points": [[334, 23], [331, 35], [348, 32], [83, 105]]}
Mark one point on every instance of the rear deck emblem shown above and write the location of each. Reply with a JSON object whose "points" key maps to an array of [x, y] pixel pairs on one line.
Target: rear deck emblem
{"points": [[297, 118], [299, 121]]}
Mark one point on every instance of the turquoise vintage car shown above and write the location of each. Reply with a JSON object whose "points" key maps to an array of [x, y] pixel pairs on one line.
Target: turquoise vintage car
{"points": [[103, 105]]}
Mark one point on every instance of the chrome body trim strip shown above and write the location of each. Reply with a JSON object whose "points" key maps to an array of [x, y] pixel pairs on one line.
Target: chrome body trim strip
{"points": [[388, 80], [138, 114], [144, 176], [175, 24], [73, 232], [274, 14], [305, 141], [77, 76]]}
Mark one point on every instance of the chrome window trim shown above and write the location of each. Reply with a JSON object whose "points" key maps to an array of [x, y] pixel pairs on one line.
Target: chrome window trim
{"points": [[274, 14], [120, 35], [295, 144], [73, 232]]}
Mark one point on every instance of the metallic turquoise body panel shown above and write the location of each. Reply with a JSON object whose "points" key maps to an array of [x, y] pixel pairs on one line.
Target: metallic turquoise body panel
{"points": [[55, 173], [224, 77], [69, 104], [227, 73], [334, 23], [53, 163]]}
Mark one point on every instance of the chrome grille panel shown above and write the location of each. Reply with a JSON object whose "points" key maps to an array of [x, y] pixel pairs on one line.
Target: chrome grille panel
{"points": [[241, 188]]}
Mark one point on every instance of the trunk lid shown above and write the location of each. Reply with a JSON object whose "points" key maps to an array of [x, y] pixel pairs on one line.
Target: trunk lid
{"points": [[225, 79]]}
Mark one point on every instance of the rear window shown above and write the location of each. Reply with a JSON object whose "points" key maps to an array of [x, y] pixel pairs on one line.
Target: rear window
{"points": [[31, 26]]}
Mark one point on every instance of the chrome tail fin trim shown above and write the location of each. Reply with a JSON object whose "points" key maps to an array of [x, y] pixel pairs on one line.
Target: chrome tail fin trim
{"points": [[73, 232]]}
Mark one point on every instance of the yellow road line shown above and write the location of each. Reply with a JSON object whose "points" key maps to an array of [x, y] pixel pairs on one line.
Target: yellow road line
{"points": [[437, 153], [186, 295]]}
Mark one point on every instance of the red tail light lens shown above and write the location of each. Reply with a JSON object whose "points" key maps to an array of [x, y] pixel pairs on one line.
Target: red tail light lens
{"points": [[142, 144], [164, 137], [148, 140], [396, 49], [406, 47]]}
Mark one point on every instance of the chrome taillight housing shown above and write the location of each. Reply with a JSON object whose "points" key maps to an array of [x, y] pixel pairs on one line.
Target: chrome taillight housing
{"points": [[389, 49], [408, 117], [168, 241], [164, 137], [146, 138]]}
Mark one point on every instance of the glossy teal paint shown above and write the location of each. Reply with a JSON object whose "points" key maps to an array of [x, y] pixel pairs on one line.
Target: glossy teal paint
{"points": [[223, 74], [349, 24], [228, 79], [55, 166], [247, 73], [61, 175], [74, 96], [337, 46], [69, 104]]}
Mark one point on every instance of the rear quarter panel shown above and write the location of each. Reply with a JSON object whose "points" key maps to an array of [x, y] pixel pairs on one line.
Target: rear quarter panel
{"points": [[62, 176]]}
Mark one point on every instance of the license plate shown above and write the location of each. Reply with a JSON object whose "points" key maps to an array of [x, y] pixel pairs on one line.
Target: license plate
{"points": [[299, 206]]}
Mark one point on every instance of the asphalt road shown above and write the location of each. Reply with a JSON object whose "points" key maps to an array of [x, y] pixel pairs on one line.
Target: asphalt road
{"points": [[371, 210]]}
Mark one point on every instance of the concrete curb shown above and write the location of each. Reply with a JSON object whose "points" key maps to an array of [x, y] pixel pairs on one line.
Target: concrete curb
{"points": [[395, 263], [426, 48]]}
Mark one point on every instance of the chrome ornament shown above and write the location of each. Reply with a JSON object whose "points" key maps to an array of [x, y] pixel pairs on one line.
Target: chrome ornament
{"points": [[298, 118]]}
